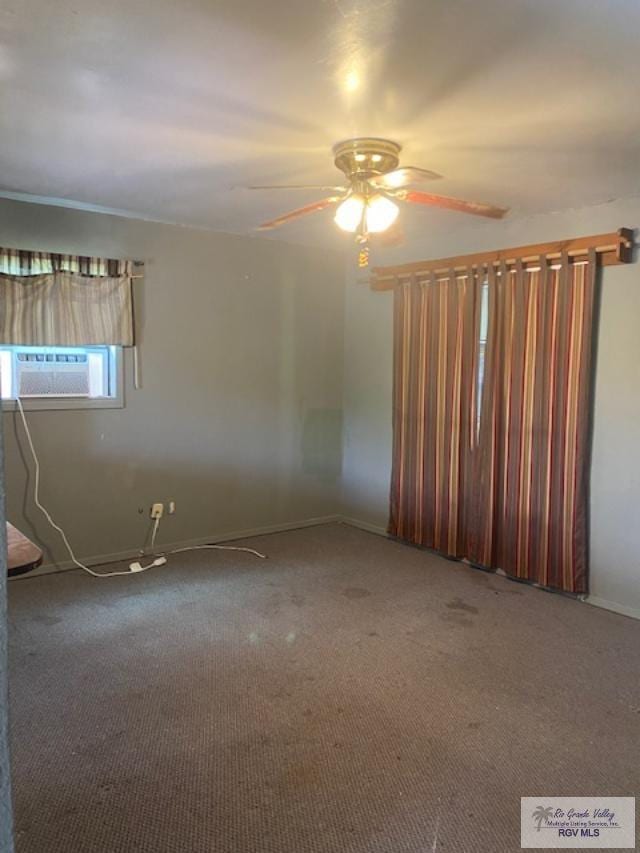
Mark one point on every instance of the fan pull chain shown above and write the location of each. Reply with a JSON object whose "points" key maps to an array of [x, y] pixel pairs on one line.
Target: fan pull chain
{"points": [[363, 257]]}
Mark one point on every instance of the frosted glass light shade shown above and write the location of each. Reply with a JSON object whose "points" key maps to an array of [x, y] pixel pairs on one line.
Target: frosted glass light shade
{"points": [[381, 213], [349, 213]]}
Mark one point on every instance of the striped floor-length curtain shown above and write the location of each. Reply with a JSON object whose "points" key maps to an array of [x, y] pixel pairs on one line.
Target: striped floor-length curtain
{"points": [[433, 409], [493, 465], [534, 444]]}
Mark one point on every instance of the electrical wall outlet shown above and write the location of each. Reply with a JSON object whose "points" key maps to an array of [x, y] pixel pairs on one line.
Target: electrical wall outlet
{"points": [[157, 511], [172, 507]]}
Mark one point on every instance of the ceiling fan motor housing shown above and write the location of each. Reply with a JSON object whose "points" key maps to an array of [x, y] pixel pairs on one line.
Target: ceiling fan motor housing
{"points": [[364, 157]]}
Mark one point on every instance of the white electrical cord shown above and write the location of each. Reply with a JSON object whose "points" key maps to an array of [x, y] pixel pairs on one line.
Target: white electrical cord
{"points": [[43, 510], [156, 525], [135, 568], [197, 547], [219, 548]]}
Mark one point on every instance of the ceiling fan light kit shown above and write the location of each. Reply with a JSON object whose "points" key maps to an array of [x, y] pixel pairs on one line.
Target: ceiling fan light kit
{"points": [[349, 213], [374, 179], [380, 214], [366, 214]]}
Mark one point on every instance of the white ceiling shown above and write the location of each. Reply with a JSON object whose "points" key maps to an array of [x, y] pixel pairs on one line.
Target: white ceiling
{"points": [[167, 108]]}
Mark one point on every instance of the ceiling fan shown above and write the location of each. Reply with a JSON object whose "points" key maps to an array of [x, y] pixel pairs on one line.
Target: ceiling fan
{"points": [[374, 181]]}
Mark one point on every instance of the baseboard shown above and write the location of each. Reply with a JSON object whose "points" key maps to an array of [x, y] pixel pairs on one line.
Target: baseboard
{"points": [[596, 601], [249, 532], [230, 536], [364, 525], [593, 600]]}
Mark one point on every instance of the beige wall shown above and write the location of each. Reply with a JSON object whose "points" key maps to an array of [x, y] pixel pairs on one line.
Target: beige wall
{"points": [[239, 416], [615, 480]]}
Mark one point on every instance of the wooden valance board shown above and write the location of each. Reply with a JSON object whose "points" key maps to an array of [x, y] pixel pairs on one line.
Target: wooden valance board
{"points": [[611, 249]]}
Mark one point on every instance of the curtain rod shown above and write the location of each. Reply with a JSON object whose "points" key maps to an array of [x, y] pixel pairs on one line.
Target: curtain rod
{"points": [[612, 249], [465, 273]]}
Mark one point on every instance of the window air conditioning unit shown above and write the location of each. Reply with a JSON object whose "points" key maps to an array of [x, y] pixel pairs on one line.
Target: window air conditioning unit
{"points": [[52, 374]]}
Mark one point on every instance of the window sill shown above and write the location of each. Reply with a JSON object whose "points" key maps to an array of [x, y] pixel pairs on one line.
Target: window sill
{"points": [[64, 404]]}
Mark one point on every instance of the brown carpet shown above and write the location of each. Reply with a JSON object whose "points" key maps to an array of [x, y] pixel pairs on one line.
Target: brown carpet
{"points": [[349, 695]]}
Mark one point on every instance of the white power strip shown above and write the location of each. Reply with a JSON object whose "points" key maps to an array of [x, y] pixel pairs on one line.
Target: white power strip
{"points": [[159, 561]]}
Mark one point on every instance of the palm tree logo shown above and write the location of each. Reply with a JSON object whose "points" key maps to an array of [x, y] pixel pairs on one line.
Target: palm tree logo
{"points": [[542, 814]]}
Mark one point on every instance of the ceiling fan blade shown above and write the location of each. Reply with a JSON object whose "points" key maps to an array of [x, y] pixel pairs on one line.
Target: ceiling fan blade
{"points": [[403, 177], [300, 211], [477, 208], [296, 187]]}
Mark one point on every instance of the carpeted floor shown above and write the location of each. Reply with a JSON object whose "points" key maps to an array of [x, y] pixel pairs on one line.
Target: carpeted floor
{"points": [[348, 695]]}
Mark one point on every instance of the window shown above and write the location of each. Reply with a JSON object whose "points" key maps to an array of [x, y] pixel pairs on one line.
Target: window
{"points": [[61, 377], [482, 345]]}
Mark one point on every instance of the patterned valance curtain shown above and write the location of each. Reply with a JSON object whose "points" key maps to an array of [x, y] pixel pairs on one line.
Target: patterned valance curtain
{"points": [[49, 299], [491, 439]]}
